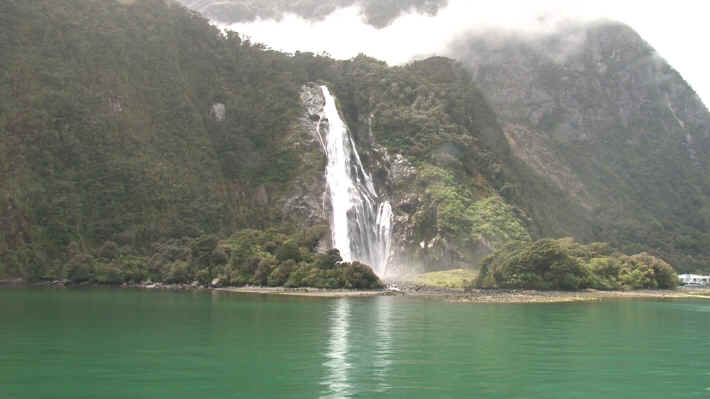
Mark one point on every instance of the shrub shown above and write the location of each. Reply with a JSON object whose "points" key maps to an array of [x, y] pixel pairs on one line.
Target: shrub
{"points": [[647, 271], [280, 274], [204, 244], [31, 263], [108, 273], [358, 276], [178, 272], [262, 272], [328, 260], [603, 273], [289, 250], [542, 265], [567, 265], [299, 276], [109, 250], [80, 268], [134, 268], [219, 257]]}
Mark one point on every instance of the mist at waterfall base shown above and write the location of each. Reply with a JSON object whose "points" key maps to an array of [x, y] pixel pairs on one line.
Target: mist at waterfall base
{"points": [[360, 219]]}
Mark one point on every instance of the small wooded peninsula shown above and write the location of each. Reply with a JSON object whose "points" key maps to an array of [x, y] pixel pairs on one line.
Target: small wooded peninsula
{"points": [[140, 143]]}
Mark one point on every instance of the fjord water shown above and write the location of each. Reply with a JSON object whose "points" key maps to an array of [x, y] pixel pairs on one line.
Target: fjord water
{"points": [[139, 344]]}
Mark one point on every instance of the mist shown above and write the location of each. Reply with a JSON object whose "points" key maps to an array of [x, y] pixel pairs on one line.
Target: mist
{"points": [[676, 30]]}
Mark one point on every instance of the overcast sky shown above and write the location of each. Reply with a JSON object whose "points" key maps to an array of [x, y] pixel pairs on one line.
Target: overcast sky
{"points": [[679, 30]]}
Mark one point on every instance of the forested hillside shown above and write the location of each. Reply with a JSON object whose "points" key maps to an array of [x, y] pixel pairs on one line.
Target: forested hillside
{"points": [[109, 134], [138, 142], [131, 126]]}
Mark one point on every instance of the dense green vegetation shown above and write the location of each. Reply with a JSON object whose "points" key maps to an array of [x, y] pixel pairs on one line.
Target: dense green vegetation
{"points": [[274, 259], [567, 265], [116, 168], [470, 192], [249, 257], [108, 133]]}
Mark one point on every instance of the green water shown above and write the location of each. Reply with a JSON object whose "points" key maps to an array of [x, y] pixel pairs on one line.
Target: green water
{"points": [[136, 344]]}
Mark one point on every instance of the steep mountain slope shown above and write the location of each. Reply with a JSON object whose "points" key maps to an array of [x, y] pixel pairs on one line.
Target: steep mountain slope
{"points": [[134, 135], [436, 146], [134, 123], [596, 111], [138, 142]]}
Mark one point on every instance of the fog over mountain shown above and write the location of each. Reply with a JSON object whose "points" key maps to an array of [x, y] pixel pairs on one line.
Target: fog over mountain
{"points": [[375, 12], [399, 31]]}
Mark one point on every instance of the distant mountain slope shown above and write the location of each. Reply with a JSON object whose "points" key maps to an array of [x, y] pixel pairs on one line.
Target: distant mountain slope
{"points": [[597, 111]]}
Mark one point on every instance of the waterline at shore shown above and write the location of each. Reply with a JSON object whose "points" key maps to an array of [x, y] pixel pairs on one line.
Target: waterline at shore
{"points": [[450, 295]]}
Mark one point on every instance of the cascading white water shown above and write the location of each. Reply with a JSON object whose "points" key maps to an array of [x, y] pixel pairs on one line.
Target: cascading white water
{"points": [[361, 223]]}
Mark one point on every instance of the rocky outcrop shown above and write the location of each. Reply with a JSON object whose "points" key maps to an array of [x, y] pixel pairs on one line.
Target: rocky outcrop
{"points": [[535, 149], [218, 112], [303, 200], [584, 83]]}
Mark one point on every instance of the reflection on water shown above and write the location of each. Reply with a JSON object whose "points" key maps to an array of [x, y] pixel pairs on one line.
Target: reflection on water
{"points": [[183, 346], [337, 366], [359, 352], [383, 345]]}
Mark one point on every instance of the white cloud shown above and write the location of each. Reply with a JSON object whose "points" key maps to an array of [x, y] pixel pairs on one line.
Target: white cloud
{"points": [[678, 30]]}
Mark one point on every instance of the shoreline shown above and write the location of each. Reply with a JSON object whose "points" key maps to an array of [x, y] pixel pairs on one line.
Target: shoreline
{"points": [[308, 292], [528, 296], [449, 295]]}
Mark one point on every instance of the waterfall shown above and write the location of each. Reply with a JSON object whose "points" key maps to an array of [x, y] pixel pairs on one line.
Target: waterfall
{"points": [[361, 222]]}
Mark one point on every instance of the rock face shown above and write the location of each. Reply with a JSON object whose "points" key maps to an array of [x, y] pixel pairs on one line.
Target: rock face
{"points": [[596, 111], [303, 201], [584, 83], [218, 112]]}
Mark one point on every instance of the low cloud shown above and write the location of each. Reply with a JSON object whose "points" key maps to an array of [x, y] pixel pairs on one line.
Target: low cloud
{"points": [[677, 30], [377, 13]]}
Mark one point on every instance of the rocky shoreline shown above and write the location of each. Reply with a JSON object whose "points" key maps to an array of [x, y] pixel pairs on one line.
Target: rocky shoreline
{"points": [[525, 296], [215, 286], [69, 284], [450, 295], [505, 296], [310, 292]]}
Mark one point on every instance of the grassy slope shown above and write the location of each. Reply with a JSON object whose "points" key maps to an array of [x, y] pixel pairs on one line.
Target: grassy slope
{"points": [[457, 278]]}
